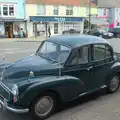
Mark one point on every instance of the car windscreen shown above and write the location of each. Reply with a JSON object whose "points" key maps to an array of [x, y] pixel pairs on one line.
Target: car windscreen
{"points": [[54, 51]]}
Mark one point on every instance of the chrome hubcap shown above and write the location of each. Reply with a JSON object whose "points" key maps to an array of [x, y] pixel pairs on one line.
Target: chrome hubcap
{"points": [[114, 83], [44, 106]]}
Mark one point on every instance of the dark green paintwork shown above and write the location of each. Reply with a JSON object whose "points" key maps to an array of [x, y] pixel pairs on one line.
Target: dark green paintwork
{"points": [[73, 81]]}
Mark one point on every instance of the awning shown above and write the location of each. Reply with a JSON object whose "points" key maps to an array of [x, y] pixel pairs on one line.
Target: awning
{"points": [[98, 21]]}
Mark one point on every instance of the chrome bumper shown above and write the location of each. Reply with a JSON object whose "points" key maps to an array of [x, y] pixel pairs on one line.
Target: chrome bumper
{"points": [[5, 106]]}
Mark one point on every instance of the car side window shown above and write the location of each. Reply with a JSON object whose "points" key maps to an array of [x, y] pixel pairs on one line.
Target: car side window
{"points": [[101, 52], [81, 56]]}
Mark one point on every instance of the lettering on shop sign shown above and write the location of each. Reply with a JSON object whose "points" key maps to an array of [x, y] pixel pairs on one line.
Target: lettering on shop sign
{"points": [[59, 19]]}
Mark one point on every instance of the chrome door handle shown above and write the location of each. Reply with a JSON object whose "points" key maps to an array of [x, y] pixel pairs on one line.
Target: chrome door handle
{"points": [[89, 68]]}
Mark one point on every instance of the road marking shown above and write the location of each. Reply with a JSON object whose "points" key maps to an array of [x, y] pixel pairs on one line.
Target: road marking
{"points": [[5, 49], [21, 51]]}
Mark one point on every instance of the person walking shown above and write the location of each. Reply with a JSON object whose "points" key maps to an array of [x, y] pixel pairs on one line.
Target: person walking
{"points": [[49, 31]]}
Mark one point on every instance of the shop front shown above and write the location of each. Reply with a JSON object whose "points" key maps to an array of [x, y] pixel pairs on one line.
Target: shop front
{"points": [[12, 28], [57, 24]]}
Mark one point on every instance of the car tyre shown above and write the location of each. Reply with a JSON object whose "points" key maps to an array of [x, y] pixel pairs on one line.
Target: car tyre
{"points": [[45, 101], [113, 84], [118, 35]]}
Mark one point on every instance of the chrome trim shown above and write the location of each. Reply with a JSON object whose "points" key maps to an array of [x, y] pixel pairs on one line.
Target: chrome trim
{"points": [[83, 94], [104, 86], [13, 109], [5, 87]]}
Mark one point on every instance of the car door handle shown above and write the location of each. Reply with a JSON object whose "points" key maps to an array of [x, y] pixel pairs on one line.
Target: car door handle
{"points": [[89, 68]]}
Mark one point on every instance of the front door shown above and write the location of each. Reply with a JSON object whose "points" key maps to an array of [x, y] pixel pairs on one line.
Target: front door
{"points": [[101, 63], [9, 30], [81, 68]]}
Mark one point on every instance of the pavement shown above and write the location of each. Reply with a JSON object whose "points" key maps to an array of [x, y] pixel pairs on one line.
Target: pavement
{"points": [[31, 39], [95, 107]]}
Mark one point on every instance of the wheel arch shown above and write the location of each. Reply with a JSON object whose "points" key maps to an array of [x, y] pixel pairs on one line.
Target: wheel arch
{"points": [[58, 96], [111, 74]]}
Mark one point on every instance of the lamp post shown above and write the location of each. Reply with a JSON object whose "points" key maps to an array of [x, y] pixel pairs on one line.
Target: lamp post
{"points": [[89, 16]]}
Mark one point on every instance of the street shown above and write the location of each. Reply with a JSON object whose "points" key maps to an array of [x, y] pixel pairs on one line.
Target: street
{"points": [[103, 107]]}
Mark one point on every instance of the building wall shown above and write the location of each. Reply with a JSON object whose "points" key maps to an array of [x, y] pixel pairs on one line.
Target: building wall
{"points": [[77, 11], [31, 10], [20, 7]]}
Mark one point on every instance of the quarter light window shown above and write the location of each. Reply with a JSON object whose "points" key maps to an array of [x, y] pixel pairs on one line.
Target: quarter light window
{"points": [[101, 52], [81, 57]]}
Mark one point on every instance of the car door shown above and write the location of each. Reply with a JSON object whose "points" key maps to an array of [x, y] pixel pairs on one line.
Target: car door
{"points": [[101, 63], [80, 67]]}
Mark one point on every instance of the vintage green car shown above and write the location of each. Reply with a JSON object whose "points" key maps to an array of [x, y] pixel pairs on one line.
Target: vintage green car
{"points": [[64, 68]]}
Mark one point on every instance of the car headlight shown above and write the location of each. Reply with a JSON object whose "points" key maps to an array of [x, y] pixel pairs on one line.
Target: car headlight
{"points": [[15, 90]]}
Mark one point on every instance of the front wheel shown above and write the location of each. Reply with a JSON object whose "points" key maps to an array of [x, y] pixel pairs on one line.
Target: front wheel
{"points": [[114, 84], [44, 106]]}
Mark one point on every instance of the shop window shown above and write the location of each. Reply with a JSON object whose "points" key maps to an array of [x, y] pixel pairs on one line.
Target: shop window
{"points": [[56, 10], [69, 10], [40, 9]]}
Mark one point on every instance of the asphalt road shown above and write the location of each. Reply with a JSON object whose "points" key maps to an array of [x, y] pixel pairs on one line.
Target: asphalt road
{"points": [[102, 107]]}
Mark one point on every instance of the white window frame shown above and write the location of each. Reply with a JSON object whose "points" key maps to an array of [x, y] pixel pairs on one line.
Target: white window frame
{"points": [[14, 5], [56, 8], [69, 9], [39, 6]]}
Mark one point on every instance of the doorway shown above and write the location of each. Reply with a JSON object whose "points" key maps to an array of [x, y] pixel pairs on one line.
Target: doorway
{"points": [[9, 29]]}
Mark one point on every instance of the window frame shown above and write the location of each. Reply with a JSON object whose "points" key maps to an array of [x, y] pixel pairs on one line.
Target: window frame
{"points": [[78, 50], [8, 10], [41, 7], [56, 10], [69, 10], [106, 58]]}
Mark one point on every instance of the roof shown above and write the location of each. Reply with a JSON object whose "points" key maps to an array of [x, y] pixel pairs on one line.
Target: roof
{"points": [[60, 2], [77, 40]]}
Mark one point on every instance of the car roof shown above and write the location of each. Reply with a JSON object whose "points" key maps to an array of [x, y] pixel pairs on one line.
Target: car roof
{"points": [[77, 40]]}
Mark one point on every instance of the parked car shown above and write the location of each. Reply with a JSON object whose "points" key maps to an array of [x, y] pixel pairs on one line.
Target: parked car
{"points": [[101, 33], [64, 68], [71, 31], [115, 31]]}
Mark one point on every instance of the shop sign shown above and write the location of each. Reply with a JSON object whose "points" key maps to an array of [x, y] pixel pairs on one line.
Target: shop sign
{"points": [[11, 20], [60, 19]]}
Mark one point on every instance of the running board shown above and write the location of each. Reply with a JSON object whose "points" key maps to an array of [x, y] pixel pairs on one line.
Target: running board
{"points": [[85, 93]]}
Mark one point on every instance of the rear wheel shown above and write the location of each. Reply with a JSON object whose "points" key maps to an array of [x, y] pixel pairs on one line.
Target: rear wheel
{"points": [[114, 84], [44, 106]]}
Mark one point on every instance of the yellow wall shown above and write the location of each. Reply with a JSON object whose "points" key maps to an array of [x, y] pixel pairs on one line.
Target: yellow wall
{"points": [[31, 10]]}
